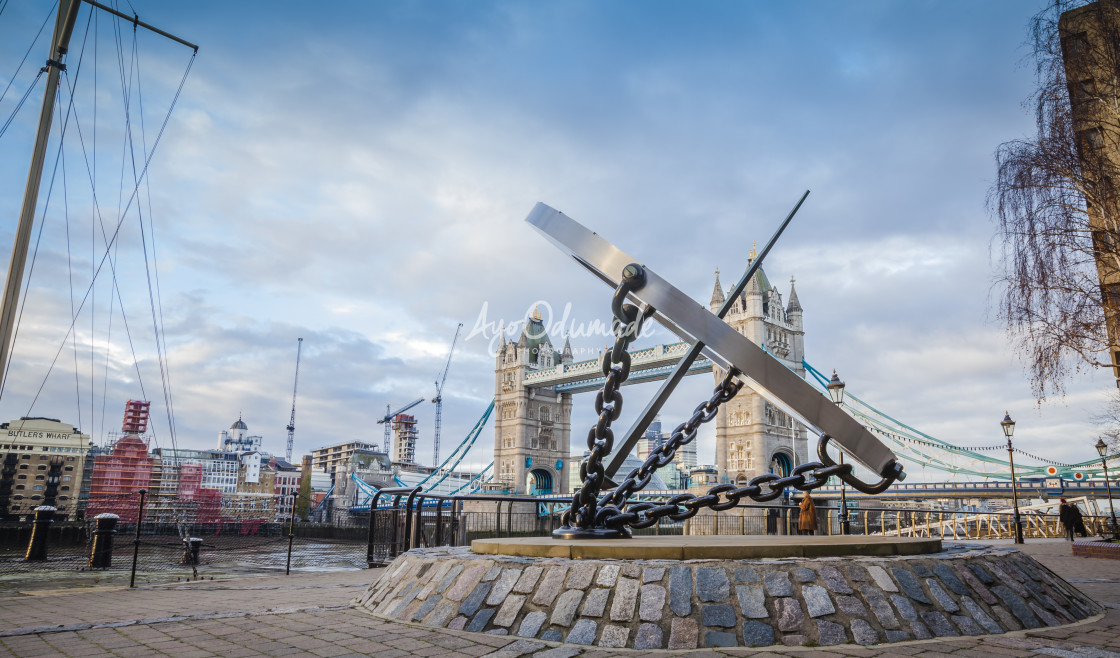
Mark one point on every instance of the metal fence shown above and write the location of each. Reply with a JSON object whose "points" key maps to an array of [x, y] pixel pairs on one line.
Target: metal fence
{"points": [[152, 549]]}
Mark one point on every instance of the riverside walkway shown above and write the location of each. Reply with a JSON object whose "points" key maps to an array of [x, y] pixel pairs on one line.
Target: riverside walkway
{"points": [[310, 614]]}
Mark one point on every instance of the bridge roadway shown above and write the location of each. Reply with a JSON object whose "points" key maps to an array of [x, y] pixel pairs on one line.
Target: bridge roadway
{"points": [[905, 490], [650, 364]]}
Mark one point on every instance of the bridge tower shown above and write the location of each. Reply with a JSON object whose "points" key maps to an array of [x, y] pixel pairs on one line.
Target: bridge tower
{"points": [[532, 430], [752, 435]]}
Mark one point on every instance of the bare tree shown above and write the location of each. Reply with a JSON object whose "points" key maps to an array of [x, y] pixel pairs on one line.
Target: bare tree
{"points": [[1055, 201]]}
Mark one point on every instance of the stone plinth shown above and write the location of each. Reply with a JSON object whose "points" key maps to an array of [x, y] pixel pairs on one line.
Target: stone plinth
{"points": [[656, 603], [708, 547]]}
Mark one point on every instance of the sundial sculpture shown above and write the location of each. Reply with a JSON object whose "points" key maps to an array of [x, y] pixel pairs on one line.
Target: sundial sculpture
{"points": [[541, 587], [611, 515]]}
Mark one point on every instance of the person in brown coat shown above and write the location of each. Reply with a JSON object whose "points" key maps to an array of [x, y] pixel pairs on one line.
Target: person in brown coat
{"points": [[807, 525]]}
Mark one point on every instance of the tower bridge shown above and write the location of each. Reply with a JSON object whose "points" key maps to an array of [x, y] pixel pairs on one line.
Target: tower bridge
{"points": [[646, 365]]}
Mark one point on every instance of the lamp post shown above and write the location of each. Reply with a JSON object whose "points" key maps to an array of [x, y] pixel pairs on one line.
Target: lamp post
{"points": [[836, 392], [1101, 449], [1008, 426]]}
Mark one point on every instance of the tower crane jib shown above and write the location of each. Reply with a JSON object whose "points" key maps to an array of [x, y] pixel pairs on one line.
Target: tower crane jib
{"points": [[438, 399], [292, 421]]}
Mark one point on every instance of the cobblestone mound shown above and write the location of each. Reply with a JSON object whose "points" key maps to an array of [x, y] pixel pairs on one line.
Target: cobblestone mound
{"points": [[663, 604]]}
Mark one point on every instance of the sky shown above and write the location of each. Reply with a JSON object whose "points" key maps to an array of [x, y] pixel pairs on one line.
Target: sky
{"points": [[358, 173]]}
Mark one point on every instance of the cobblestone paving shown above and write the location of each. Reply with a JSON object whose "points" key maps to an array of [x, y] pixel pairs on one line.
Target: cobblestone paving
{"points": [[310, 614]]}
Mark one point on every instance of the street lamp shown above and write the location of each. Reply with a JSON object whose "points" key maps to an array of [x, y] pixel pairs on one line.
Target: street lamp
{"points": [[1101, 450], [836, 392], [1008, 426]]}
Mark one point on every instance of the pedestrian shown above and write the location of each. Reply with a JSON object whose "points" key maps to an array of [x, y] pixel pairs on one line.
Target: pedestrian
{"points": [[1070, 517], [771, 521], [807, 524]]}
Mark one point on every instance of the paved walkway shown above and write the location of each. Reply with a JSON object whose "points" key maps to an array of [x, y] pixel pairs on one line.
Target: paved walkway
{"points": [[309, 614]]}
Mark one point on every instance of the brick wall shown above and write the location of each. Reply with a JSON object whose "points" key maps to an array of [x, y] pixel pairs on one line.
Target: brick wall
{"points": [[1097, 548]]}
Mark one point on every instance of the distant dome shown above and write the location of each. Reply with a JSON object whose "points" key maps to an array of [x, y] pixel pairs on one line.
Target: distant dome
{"points": [[239, 425]]}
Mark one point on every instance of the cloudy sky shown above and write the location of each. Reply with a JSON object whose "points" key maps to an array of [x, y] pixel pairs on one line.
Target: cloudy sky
{"points": [[357, 174]]}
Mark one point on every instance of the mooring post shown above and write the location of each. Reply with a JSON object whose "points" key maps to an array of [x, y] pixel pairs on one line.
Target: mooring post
{"points": [[291, 533], [136, 540], [37, 547], [101, 550]]}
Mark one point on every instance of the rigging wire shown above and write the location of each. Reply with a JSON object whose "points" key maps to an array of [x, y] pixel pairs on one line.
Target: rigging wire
{"points": [[30, 88], [27, 54]]}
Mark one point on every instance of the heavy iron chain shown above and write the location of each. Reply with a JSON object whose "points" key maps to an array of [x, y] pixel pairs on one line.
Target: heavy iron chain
{"points": [[626, 326], [614, 510]]}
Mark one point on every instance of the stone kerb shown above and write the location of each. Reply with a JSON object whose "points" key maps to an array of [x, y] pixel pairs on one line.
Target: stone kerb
{"points": [[1098, 548], [669, 604]]}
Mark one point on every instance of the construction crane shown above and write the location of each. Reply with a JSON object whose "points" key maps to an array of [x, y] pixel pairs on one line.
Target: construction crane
{"points": [[295, 387], [438, 399], [388, 419]]}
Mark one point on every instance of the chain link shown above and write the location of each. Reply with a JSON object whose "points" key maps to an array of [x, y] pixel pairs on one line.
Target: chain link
{"points": [[614, 511]]}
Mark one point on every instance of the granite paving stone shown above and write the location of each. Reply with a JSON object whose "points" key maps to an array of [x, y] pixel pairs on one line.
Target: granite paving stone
{"points": [[443, 612], [856, 573], [882, 578], [803, 575], [922, 571], [653, 574], [426, 607], [880, 607], [835, 581], [904, 607], [941, 596], [475, 599], [683, 633], [752, 601], [492, 573], [720, 639], [608, 574], [1008, 581], [778, 583], [595, 603], [797, 640], [937, 623], [863, 632], [583, 632], [757, 634], [481, 618], [631, 570], [967, 625], [551, 586], [464, 583], [721, 615], [565, 609], [947, 576], [625, 598], [613, 637], [830, 633], [652, 604], [973, 581], [650, 636], [984, 619], [910, 585], [531, 624], [503, 587], [982, 573], [817, 602], [528, 579], [897, 636], [919, 631], [1018, 607], [790, 616], [1006, 619], [712, 584], [552, 635], [458, 623], [851, 606], [581, 576], [747, 575], [680, 591], [509, 610], [1045, 615]]}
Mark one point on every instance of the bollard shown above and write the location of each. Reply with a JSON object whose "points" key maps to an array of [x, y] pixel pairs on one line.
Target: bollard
{"points": [[101, 551], [37, 547], [191, 548]]}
